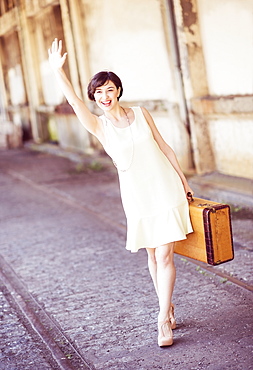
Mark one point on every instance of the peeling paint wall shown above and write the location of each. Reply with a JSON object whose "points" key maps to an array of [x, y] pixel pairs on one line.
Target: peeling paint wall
{"points": [[196, 95], [12, 69], [99, 36], [46, 24], [215, 39], [131, 43], [227, 34], [194, 80], [232, 141]]}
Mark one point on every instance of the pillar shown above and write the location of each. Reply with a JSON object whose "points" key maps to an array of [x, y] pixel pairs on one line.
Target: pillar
{"points": [[194, 80]]}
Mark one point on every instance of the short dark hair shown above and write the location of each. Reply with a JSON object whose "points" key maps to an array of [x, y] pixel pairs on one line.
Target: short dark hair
{"points": [[100, 79]]}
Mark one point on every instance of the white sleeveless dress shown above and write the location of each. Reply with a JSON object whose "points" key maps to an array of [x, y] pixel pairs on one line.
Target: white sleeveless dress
{"points": [[152, 192]]}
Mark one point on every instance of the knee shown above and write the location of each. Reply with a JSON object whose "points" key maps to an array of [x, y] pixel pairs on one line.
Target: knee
{"points": [[151, 257], [165, 256]]}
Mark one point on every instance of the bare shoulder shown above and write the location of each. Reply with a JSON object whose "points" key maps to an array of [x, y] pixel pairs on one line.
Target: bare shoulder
{"points": [[148, 116], [154, 129], [100, 130]]}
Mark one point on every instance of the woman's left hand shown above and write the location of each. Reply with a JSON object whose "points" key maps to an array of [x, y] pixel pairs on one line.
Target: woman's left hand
{"points": [[187, 190]]}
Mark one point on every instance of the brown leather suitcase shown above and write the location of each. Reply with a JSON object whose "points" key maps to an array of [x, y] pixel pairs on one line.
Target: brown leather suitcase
{"points": [[211, 241]]}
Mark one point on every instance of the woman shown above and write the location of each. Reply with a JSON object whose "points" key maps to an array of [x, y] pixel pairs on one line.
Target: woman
{"points": [[153, 187]]}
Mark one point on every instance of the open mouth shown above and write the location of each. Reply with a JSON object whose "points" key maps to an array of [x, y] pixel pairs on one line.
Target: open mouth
{"points": [[106, 103]]}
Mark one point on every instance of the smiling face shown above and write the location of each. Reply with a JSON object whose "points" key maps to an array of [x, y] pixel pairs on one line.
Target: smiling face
{"points": [[106, 96]]}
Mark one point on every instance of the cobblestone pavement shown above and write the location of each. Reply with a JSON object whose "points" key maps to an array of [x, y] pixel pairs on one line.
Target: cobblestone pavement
{"points": [[74, 298], [16, 341]]}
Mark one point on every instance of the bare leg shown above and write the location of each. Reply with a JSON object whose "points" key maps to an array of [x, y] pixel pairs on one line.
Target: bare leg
{"points": [[166, 276], [163, 273], [152, 267]]}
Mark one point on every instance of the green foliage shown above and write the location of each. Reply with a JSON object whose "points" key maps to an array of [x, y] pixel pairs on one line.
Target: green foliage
{"points": [[94, 166]]}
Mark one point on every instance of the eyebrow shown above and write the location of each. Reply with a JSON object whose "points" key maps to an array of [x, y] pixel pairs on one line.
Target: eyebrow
{"points": [[107, 87]]}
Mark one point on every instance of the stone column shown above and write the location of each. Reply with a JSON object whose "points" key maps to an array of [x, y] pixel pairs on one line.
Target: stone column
{"points": [[68, 28], [73, 19], [30, 67], [77, 15], [3, 98], [194, 79]]}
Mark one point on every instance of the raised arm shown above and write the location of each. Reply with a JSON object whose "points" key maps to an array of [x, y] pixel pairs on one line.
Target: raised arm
{"points": [[167, 150], [90, 121]]}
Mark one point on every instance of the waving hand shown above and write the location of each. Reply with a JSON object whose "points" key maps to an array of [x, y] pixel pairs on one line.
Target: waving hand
{"points": [[55, 57], [90, 121]]}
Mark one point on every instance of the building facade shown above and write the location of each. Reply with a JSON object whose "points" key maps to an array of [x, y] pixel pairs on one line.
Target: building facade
{"points": [[188, 61]]}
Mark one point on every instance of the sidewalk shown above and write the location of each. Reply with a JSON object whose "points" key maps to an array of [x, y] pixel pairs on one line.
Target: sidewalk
{"points": [[83, 301], [233, 190]]}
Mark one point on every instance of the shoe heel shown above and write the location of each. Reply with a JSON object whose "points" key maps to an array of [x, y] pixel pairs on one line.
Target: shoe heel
{"points": [[172, 317], [165, 337]]}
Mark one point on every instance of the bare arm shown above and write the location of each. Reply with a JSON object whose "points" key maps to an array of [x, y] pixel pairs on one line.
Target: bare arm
{"points": [[90, 121], [167, 150]]}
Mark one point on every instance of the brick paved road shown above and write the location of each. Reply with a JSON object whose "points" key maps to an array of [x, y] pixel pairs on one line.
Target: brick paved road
{"points": [[63, 233], [17, 345]]}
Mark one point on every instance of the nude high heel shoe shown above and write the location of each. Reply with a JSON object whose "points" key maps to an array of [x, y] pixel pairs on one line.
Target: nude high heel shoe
{"points": [[165, 337], [172, 317]]}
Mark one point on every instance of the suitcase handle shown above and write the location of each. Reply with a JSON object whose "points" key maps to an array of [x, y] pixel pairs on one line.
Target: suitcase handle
{"points": [[206, 205], [189, 195]]}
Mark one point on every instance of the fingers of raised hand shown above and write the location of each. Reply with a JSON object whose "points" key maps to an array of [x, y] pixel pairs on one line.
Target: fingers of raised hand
{"points": [[56, 60], [60, 46], [54, 46]]}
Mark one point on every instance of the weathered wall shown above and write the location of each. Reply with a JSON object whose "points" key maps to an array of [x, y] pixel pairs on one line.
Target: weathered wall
{"points": [[12, 67], [130, 43], [13, 120], [215, 40], [232, 140], [133, 45], [195, 78], [227, 33], [98, 36], [230, 125]]}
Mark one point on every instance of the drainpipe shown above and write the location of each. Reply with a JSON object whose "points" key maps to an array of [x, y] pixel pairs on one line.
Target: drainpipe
{"points": [[172, 27]]}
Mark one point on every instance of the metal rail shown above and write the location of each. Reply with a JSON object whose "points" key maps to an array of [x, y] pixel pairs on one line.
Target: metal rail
{"points": [[59, 352]]}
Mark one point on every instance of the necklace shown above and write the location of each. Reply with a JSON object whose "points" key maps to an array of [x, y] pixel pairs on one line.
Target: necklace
{"points": [[132, 140]]}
